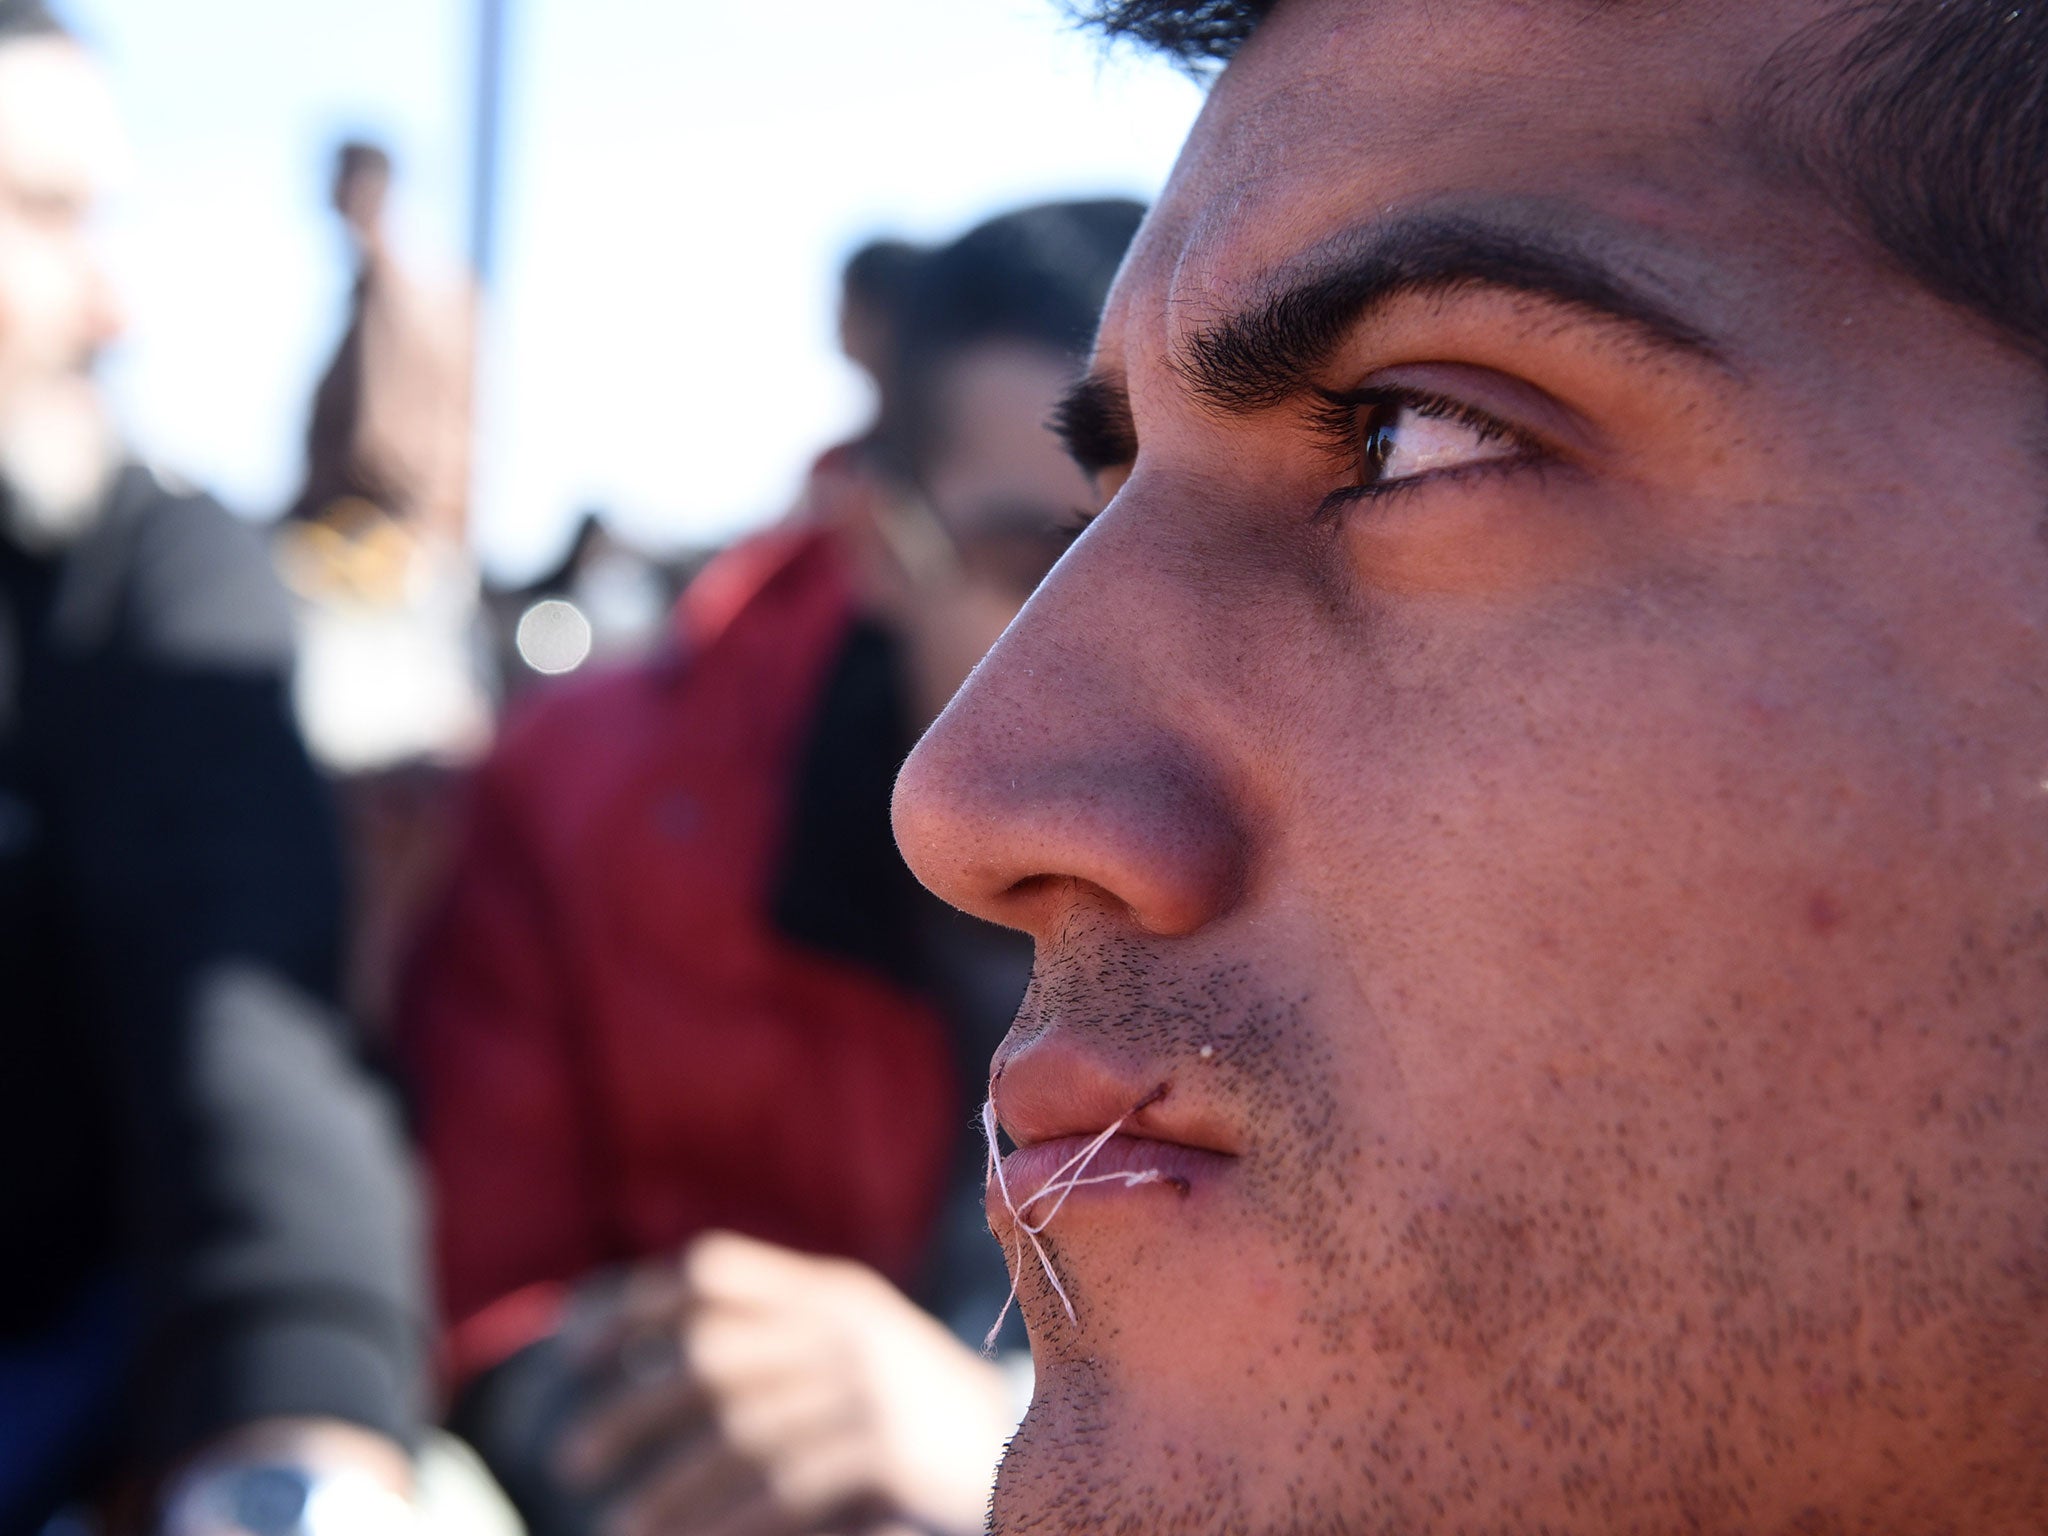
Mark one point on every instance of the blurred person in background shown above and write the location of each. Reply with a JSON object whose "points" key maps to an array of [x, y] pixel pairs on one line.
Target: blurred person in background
{"points": [[389, 436], [874, 286], [374, 544], [683, 988], [392, 688], [212, 1321]]}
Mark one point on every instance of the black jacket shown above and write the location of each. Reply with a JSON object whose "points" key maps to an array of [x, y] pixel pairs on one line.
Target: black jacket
{"points": [[179, 1103]]}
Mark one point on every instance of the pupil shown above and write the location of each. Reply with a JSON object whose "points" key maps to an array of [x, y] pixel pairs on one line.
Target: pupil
{"points": [[1379, 442]]}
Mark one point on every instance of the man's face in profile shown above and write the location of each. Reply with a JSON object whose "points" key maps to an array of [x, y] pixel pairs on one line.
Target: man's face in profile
{"points": [[1544, 760]]}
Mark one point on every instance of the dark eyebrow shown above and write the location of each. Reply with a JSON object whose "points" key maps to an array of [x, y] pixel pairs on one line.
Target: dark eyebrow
{"points": [[1094, 420], [1270, 352]]}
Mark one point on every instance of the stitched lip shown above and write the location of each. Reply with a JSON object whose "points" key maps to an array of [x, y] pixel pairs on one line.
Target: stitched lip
{"points": [[1124, 1167], [1057, 1086]]}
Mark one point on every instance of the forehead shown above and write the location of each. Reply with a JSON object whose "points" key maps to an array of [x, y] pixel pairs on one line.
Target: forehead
{"points": [[59, 130], [1338, 113]]}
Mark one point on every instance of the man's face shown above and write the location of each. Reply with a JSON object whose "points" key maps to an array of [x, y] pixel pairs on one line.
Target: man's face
{"points": [[59, 145], [1544, 760]]}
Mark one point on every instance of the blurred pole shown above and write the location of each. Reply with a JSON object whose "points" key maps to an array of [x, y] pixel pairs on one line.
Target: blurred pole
{"points": [[493, 21], [493, 26]]}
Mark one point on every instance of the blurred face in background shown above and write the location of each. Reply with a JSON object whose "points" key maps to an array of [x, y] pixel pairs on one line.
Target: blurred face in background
{"points": [[999, 480], [362, 188], [1001, 494], [1535, 791], [60, 148]]}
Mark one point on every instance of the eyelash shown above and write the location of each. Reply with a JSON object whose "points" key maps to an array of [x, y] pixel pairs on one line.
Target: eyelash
{"points": [[1342, 433], [1342, 422]]}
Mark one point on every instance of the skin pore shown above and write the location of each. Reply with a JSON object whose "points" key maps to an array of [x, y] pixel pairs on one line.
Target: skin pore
{"points": [[1554, 707]]}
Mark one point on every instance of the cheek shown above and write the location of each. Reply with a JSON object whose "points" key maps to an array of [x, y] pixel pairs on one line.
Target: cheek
{"points": [[1647, 882]]}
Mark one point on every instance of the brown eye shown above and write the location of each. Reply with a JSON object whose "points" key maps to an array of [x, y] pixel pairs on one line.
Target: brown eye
{"points": [[1377, 443], [1403, 440]]}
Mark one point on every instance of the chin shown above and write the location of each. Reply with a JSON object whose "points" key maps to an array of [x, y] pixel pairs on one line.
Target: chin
{"points": [[1168, 1458], [1196, 1394], [1068, 1469]]}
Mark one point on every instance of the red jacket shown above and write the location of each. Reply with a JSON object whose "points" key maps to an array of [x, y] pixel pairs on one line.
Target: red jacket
{"points": [[613, 1045]]}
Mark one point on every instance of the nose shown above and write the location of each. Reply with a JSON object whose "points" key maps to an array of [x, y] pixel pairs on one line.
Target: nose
{"points": [[1073, 762]]}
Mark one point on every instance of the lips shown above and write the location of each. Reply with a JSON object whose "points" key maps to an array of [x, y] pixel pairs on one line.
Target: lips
{"points": [[1056, 1099], [1123, 1167]]}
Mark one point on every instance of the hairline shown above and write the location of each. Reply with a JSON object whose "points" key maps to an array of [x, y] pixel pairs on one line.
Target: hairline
{"points": [[1801, 118]]}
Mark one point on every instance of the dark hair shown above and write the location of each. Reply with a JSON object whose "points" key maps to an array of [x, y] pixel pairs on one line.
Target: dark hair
{"points": [[1036, 277], [28, 18], [1197, 35], [1924, 121], [881, 273], [360, 157]]}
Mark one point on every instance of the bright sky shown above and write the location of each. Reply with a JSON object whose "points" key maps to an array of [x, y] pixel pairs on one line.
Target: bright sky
{"points": [[681, 180]]}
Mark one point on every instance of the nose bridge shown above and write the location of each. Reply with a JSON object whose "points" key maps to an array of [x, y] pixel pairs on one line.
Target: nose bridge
{"points": [[1062, 764]]}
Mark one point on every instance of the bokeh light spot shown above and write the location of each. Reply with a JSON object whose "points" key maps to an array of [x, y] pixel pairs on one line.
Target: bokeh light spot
{"points": [[554, 637]]}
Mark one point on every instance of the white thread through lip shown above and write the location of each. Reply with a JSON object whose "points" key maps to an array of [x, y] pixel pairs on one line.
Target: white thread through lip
{"points": [[1069, 1176]]}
